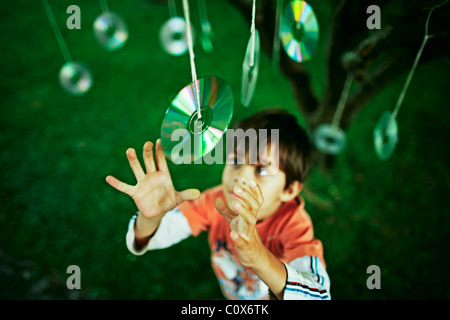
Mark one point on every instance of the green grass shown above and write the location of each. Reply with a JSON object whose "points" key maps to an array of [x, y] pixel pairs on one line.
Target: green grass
{"points": [[57, 209]]}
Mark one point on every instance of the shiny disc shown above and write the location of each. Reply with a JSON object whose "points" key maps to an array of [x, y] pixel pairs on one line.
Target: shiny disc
{"points": [[173, 38], [299, 31], [111, 31], [206, 37], [186, 138], [249, 71], [329, 140], [75, 78], [385, 136]]}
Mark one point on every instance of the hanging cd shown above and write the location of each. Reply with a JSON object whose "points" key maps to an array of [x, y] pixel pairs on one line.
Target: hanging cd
{"points": [[75, 78], [385, 136], [250, 69], [328, 139], [173, 38], [299, 32], [111, 31], [206, 37], [184, 136]]}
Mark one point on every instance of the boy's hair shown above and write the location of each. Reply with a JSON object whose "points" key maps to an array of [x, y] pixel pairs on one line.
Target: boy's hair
{"points": [[294, 145]]}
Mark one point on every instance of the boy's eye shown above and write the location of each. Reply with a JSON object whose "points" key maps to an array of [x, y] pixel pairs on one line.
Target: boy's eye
{"points": [[262, 171]]}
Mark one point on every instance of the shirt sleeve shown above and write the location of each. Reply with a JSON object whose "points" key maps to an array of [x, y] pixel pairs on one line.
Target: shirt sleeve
{"points": [[307, 279], [173, 228], [200, 212]]}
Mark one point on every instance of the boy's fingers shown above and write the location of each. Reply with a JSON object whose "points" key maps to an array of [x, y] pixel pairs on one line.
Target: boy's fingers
{"points": [[246, 213], [119, 185], [224, 210], [148, 157], [189, 194], [247, 196], [239, 240], [257, 191], [135, 165], [160, 157]]}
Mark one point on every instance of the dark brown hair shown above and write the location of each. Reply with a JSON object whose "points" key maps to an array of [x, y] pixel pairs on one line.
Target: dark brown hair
{"points": [[294, 144]]}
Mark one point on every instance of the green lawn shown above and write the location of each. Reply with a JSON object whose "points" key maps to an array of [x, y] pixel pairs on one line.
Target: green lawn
{"points": [[57, 210]]}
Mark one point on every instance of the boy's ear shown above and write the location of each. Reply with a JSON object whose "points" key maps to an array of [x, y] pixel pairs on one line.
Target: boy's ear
{"points": [[291, 191]]}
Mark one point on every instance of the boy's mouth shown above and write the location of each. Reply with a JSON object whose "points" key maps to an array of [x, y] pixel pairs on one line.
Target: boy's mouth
{"points": [[233, 194]]}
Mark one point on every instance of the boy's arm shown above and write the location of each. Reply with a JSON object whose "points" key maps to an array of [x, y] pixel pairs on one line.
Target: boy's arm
{"points": [[307, 279], [303, 278], [173, 228], [143, 230]]}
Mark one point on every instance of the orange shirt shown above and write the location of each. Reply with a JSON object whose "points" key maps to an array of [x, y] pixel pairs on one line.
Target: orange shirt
{"points": [[288, 234]]}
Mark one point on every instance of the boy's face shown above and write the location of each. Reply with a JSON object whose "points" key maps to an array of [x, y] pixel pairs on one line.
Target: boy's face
{"points": [[270, 179]]}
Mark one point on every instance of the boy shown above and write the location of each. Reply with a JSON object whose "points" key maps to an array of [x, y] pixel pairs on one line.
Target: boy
{"points": [[261, 238]]}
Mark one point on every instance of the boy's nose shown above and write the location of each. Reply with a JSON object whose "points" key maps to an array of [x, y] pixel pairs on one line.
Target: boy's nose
{"points": [[245, 173]]}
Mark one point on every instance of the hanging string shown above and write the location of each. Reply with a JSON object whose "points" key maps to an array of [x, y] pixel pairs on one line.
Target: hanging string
{"points": [[203, 13], [57, 32], [104, 6], [206, 27], [341, 104], [299, 24], [416, 61], [172, 8], [105, 10], [191, 55], [252, 33], [276, 39]]}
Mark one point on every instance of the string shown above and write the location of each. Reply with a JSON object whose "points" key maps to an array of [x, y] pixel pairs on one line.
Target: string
{"points": [[276, 40], [416, 61], [299, 25], [105, 11], [172, 8], [203, 13], [191, 55], [205, 25], [341, 104], [104, 6], [57, 32], [252, 33]]}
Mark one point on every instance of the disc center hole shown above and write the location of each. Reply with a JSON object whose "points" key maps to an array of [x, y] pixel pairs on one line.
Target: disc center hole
{"points": [[330, 140], [111, 30], [298, 30], [204, 122], [76, 77], [177, 36], [385, 136]]}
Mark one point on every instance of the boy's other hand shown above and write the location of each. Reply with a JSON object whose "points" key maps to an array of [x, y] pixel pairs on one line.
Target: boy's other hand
{"points": [[241, 215], [154, 193]]}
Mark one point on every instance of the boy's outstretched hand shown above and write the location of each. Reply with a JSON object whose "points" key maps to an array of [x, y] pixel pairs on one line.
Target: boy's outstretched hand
{"points": [[154, 193]]}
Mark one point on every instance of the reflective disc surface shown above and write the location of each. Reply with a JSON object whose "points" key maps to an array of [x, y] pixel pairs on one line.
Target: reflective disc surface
{"points": [[173, 38], [385, 136], [184, 136], [329, 140], [75, 78], [111, 31], [299, 31], [249, 71]]}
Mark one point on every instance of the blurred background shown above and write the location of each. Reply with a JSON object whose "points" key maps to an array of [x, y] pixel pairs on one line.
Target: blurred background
{"points": [[56, 150]]}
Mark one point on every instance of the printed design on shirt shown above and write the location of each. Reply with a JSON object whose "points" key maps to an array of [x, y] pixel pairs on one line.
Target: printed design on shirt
{"points": [[236, 282]]}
